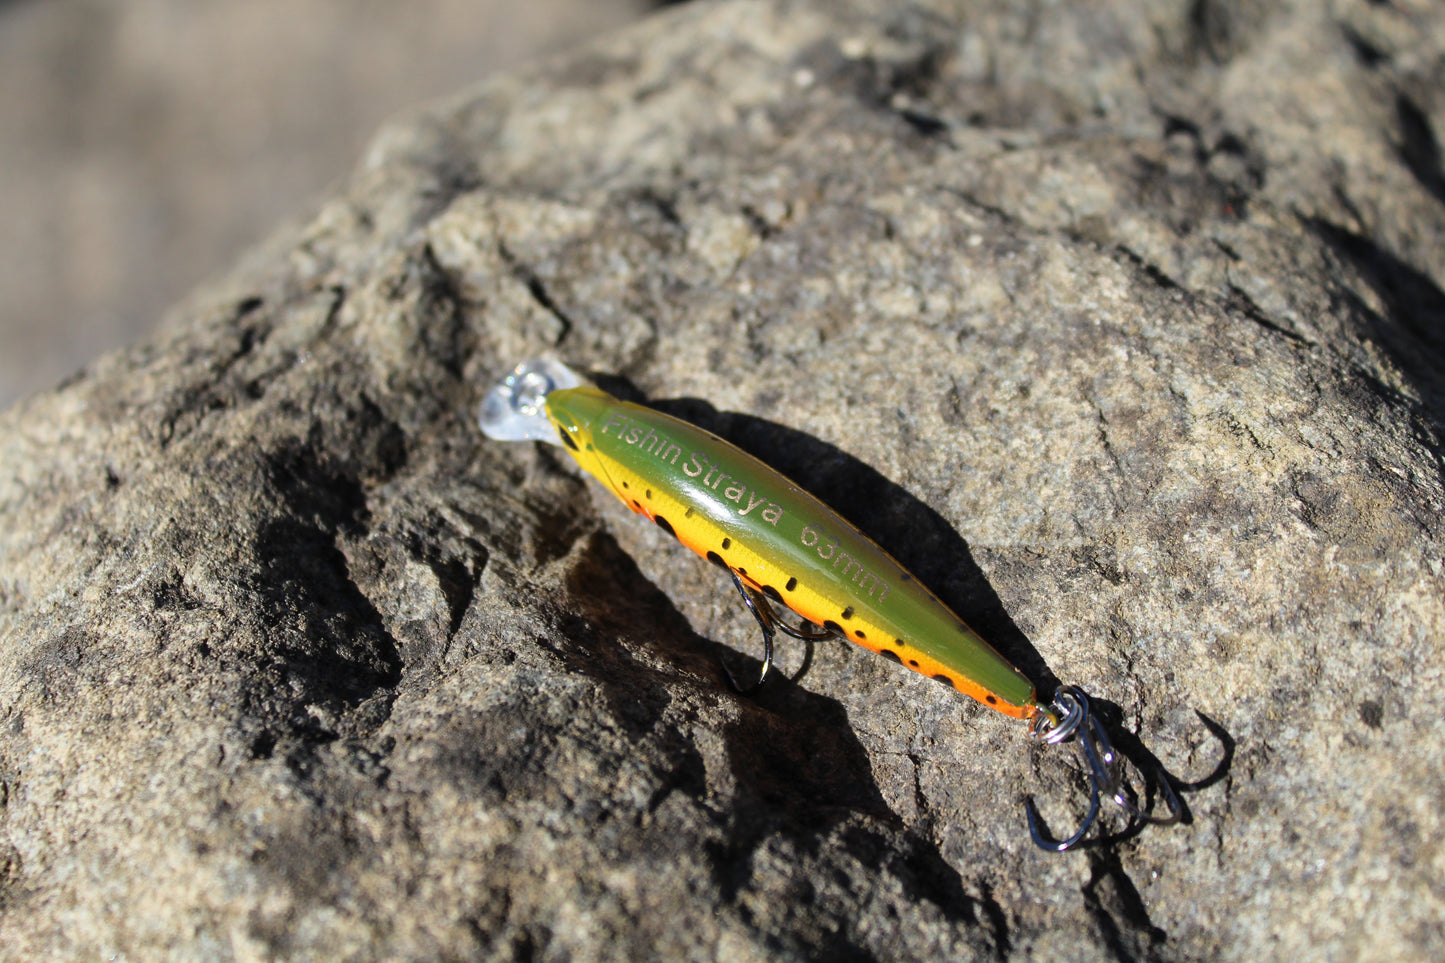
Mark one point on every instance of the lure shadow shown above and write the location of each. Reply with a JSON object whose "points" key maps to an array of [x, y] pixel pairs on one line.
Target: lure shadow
{"points": [[794, 764], [791, 747]]}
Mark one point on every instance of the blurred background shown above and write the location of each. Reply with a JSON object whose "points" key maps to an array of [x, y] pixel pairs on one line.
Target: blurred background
{"points": [[144, 143]]}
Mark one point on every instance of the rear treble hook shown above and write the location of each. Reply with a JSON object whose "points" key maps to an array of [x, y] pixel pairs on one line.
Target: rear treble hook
{"points": [[1102, 764]]}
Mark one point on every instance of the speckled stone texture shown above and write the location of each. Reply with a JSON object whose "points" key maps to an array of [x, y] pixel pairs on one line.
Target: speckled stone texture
{"points": [[1119, 323]]}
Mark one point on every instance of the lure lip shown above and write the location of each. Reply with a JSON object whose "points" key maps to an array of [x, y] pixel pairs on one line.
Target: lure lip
{"points": [[515, 408]]}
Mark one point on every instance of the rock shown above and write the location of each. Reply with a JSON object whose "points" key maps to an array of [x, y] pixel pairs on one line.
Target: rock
{"points": [[1118, 325]]}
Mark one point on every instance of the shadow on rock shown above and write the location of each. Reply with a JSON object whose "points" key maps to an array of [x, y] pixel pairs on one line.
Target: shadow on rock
{"points": [[1412, 326], [798, 781], [321, 627], [791, 750]]}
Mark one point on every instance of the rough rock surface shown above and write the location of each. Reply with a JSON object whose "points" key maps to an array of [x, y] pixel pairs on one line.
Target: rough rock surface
{"points": [[1120, 323]]}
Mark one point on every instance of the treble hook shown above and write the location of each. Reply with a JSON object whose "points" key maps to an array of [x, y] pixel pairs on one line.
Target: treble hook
{"points": [[1102, 763], [769, 622]]}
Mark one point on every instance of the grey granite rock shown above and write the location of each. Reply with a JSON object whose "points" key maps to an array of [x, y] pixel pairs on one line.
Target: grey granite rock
{"points": [[1119, 323]]}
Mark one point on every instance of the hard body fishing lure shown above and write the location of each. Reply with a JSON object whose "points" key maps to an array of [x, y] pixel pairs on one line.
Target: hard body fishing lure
{"points": [[782, 546]]}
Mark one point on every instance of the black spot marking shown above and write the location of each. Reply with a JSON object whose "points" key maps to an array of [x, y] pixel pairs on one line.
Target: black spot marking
{"points": [[624, 484], [772, 593], [890, 655], [716, 559], [913, 662], [637, 504], [859, 633], [792, 584], [946, 681], [742, 571], [834, 627], [649, 493], [567, 439], [664, 524], [991, 700], [848, 613], [727, 543], [688, 513]]}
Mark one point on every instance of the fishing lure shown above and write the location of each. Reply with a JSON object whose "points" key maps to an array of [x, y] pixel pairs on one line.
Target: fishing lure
{"points": [[782, 546]]}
